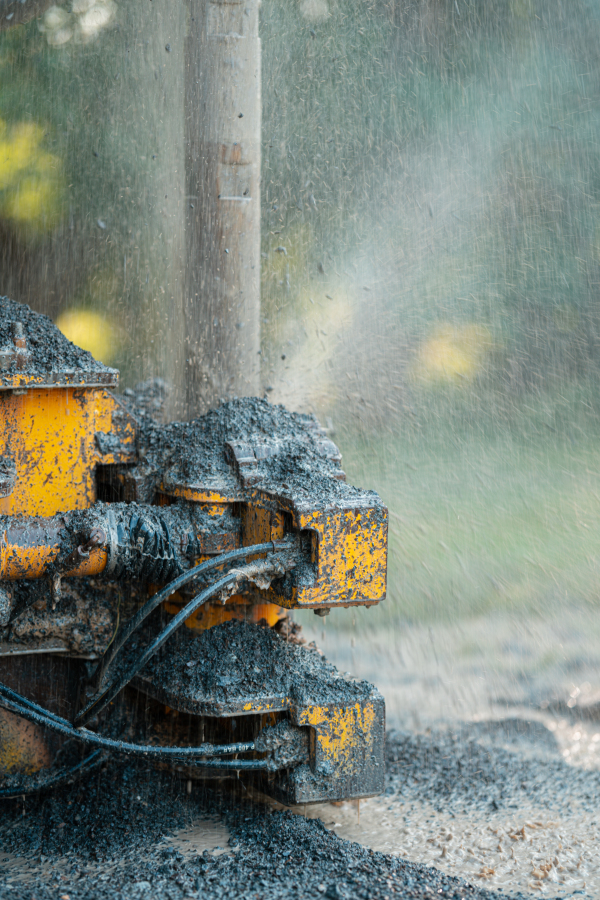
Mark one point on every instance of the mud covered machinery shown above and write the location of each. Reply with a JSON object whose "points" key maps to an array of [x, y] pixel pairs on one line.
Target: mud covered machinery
{"points": [[147, 574]]}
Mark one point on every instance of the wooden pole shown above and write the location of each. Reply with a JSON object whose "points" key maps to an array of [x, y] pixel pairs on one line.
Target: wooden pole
{"points": [[222, 204]]}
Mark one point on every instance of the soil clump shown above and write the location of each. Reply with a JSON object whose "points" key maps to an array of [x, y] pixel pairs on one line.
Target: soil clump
{"points": [[104, 838], [237, 660], [48, 349]]}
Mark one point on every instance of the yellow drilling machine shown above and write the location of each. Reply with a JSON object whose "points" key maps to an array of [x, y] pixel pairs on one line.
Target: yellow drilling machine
{"points": [[149, 570], [147, 576]]}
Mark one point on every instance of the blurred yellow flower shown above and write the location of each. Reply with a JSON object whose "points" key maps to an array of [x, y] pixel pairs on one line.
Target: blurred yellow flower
{"points": [[90, 331], [452, 352], [33, 200], [17, 153], [30, 181]]}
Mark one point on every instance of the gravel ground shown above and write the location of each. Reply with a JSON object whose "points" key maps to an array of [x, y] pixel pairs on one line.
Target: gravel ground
{"points": [[108, 837], [509, 801], [465, 770]]}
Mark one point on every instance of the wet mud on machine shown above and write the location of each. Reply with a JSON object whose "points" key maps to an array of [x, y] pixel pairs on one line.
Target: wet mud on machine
{"points": [[146, 574], [149, 571]]}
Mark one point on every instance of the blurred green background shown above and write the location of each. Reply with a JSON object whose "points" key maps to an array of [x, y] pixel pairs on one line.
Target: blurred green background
{"points": [[430, 254]]}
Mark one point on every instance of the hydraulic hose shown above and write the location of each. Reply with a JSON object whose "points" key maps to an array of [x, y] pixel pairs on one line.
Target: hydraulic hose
{"points": [[105, 696], [34, 785], [173, 586], [195, 756], [154, 544], [15, 703]]}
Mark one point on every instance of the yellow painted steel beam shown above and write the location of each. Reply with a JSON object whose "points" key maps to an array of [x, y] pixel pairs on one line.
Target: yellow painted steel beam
{"points": [[53, 440]]}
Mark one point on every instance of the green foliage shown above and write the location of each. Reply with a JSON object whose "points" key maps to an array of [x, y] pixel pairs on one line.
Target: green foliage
{"points": [[456, 144], [483, 517]]}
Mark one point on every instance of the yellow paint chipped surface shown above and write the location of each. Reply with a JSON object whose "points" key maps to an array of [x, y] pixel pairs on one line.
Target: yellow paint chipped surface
{"points": [[340, 731], [351, 555], [22, 747], [50, 436]]}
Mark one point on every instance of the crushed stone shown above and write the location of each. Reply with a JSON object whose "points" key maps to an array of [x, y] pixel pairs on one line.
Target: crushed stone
{"points": [[238, 659], [105, 838], [291, 452], [49, 350], [460, 769]]}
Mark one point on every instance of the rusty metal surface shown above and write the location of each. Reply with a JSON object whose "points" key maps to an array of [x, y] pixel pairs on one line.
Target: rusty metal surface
{"points": [[23, 749], [277, 469], [272, 464], [26, 748], [82, 624], [150, 542], [101, 506]]}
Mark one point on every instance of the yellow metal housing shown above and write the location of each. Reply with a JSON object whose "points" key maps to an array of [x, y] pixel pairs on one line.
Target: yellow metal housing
{"points": [[53, 439]]}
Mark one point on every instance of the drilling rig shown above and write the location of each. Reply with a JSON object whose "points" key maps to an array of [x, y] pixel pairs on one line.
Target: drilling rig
{"points": [[149, 570]]}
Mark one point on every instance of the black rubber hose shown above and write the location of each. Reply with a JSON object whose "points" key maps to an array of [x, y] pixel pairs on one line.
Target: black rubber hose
{"points": [[102, 699], [28, 704], [41, 784], [34, 713], [170, 588], [27, 709]]}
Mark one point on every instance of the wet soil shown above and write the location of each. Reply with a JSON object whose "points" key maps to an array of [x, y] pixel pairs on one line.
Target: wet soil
{"points": [[107, 838], [507, 799], [48, 349], [455, 770], [496, 802], [281, 452], [498, 720], [455, 800], [554, 854], [240, 661]]}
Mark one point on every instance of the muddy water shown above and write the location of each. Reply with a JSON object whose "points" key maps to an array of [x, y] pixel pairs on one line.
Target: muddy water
{"points": [[472, 669], [525, 849], [204, 835], [522, 847]]}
